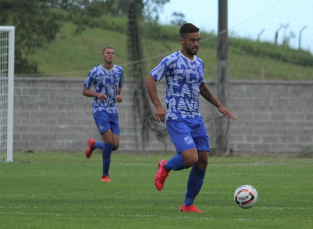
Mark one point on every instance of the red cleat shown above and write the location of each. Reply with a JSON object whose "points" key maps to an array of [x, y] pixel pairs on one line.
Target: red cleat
{"points": [[91, 147], [161, 175], [105, 178], [190, 208]]}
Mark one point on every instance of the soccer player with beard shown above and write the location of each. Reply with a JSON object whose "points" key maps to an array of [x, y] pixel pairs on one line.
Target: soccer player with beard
{"points": [[184, 77]]}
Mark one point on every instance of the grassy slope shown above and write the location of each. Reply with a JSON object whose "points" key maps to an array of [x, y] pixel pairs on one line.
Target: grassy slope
{"points": [[74, 55]]}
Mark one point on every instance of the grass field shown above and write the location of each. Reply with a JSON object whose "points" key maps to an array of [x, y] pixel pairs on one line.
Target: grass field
{"points": [[63, 190]]}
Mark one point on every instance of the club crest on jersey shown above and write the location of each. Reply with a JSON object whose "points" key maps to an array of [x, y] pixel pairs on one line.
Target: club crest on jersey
{"points": [[188, 140], [185, 73]]}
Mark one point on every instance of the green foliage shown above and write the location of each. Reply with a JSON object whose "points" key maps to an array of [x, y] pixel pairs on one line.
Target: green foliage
{"points": [[63, 190], [109, 22], [157, 32], [38, 24], [38, 21], [76, 50], [179, 19], [148, 30], [75, 54], [35, 26]]}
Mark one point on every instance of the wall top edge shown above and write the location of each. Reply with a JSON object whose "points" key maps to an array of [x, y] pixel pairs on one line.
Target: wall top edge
{"points": [[234, 82]]}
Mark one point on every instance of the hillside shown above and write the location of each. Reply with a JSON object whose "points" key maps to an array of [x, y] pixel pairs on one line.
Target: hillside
{"points": [[72, 55]]}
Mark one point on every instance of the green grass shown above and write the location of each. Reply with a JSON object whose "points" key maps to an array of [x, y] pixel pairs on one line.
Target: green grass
{"points": [[63, 190]]}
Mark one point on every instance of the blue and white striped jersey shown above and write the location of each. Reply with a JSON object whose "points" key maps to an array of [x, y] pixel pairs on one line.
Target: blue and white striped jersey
{"points": [[183, 78], [106, 82]]}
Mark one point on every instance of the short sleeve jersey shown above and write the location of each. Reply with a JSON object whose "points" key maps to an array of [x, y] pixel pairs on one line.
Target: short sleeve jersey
{"points": [[106, 82], [183, 78]]}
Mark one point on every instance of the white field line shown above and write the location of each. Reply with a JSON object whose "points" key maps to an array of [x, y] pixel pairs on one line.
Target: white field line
{"points": [[133, 193], [186, 216]]}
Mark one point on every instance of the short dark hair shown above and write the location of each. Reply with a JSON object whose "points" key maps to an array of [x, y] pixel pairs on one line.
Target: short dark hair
{"points": [[188, 28], [106, 48]]}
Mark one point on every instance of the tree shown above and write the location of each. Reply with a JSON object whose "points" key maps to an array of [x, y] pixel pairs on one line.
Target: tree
{"points": [[179, 19], [142, 6], [35, 25], [37, 22]]}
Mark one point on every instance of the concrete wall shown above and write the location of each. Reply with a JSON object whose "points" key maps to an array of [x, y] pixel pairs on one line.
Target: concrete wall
{"points": [[52, 115]]}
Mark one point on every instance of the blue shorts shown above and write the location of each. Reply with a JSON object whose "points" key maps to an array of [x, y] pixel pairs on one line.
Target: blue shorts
{"points": [[106, 121], [188, 134]]}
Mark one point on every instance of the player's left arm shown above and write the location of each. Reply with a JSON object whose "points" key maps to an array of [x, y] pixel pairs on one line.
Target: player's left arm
{"points": [[119, 96], [208, 95]]}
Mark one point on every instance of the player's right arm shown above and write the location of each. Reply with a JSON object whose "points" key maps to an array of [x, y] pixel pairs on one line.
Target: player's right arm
{"points": [[89, 81], [159, 111], [89, 93]]}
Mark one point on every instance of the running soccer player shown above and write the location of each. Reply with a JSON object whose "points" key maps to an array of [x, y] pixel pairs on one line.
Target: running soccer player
{"points": [[184, 77], [107, 80]]}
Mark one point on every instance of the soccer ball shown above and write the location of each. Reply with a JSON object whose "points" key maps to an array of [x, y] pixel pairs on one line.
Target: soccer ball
{"points": [[246, 196]]}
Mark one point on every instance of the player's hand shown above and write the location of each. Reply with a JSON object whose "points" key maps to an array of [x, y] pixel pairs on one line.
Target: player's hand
{"points": [[101, 96], [159, 113], [119, 98], [226, 112]]}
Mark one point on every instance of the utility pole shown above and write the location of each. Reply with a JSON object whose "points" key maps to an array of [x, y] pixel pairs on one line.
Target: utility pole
{"points": [[135, 53], [260, 34], [141, 109], [276, 34], [221, 121], [300, 35]]}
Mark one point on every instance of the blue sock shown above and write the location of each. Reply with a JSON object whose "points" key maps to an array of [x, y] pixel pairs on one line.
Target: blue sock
{"points": [[106, 157], [194, 185], [176, 163], [99, 145]]}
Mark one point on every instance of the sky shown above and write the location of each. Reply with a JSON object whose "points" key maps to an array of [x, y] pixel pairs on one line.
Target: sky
{"points": [[293, 19]]}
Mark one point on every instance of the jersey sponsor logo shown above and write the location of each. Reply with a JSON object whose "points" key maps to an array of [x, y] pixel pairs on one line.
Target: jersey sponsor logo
{"points": [[188, 140]]}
